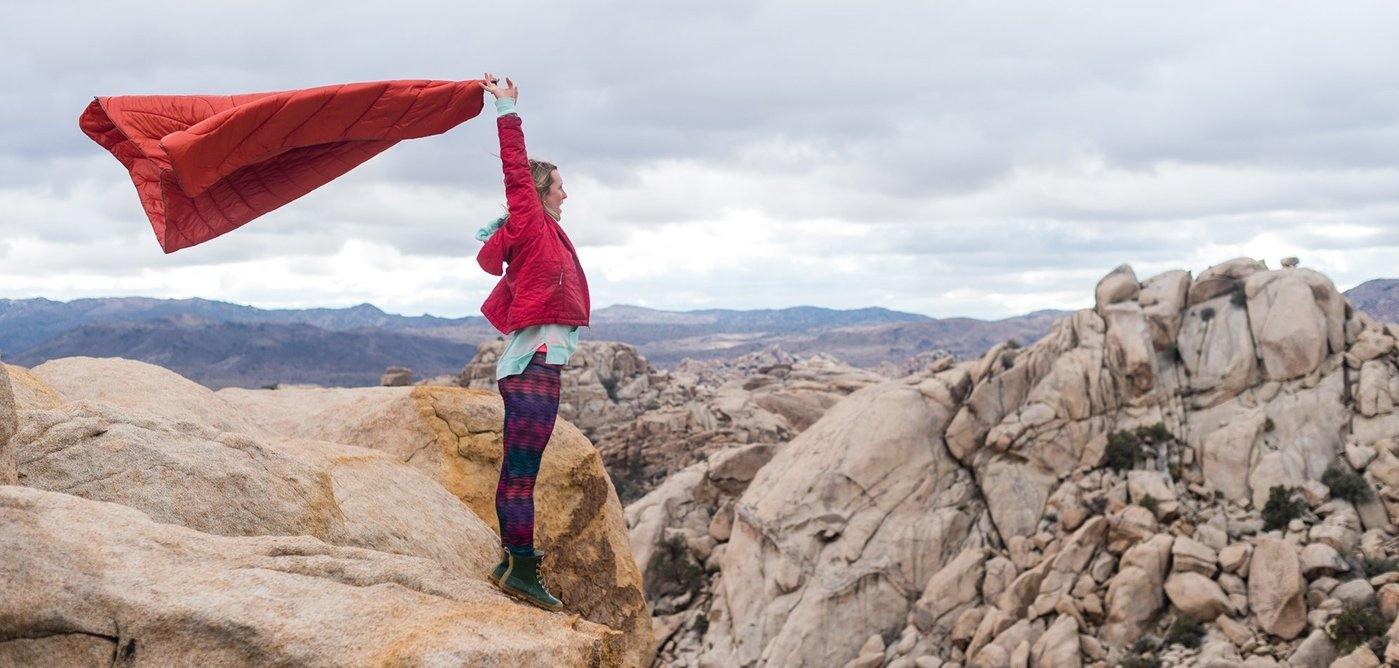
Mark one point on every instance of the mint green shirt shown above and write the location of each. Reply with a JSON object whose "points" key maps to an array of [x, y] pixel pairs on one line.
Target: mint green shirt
{"points": [[559, 340]]}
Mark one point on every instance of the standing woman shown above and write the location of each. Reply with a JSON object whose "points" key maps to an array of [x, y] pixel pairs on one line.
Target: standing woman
{"points": [[541, 300]]}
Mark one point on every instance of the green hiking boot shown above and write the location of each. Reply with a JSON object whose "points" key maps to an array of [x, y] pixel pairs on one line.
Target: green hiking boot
{"points": [[522, 581], [500, 567]]}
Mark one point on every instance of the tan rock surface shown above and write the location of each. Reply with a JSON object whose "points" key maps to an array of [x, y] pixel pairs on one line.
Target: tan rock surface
{"points": [[857, 512], [103, 580], [453, 436], [232, 484], [1275, 588], [126, 383]]}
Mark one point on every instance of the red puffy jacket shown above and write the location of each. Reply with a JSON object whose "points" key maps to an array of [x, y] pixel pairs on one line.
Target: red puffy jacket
{"points": [[544, 281]]}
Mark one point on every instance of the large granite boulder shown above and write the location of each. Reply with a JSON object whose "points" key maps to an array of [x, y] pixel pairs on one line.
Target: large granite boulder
{"points": [[453, 435], [233, 484], [132, 384], [90, 583], [856, 513]]}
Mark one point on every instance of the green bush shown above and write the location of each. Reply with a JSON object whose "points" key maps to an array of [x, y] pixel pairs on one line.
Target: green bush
{"points": [[677, 568], [1158, 433], [1185, 631], [1282, 507], [1149, 502], [1141, 655], [1346, 485], [1355, 626], [1124, 450]]}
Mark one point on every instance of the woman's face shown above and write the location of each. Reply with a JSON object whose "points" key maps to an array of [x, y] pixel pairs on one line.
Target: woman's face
{"points": [[554, 198]]}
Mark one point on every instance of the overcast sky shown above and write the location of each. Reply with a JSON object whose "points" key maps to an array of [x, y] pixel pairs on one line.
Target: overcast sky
{"points": [[978, 159]]}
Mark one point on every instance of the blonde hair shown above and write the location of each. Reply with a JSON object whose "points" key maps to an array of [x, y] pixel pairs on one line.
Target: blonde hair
{"points": [[543, 174]]}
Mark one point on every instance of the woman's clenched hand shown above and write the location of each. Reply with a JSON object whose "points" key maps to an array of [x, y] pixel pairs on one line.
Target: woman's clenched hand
{"points": [[510, 91]]}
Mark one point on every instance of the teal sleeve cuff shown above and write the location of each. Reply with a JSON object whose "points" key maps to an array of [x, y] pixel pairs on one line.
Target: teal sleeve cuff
{"points": [[504, 105]]}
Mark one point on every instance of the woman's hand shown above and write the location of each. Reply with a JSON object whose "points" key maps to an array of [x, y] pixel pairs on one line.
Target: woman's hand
{"points": [[509, 91]]}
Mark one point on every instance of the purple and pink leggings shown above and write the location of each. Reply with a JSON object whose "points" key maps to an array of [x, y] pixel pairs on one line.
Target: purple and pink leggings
{"points": [[531, 404]]}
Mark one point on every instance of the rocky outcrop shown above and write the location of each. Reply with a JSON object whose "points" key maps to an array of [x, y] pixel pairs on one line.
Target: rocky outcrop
{"points": [[453, 436], [649, 423], [1124, 463], [100, 582], [408, 498], [396, 376], [857, 512]]}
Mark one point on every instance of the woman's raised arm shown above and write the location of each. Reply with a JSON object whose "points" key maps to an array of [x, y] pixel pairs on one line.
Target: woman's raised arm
{"points": [[520, 195]]}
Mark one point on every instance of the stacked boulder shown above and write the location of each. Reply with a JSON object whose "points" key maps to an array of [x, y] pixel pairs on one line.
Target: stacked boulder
{"points": [[1145, 483]]}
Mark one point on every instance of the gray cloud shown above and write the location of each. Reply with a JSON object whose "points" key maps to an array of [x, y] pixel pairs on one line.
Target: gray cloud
{"points": [[961, 146]]}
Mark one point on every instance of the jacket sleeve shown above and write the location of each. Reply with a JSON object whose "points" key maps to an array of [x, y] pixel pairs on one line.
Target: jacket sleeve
{"points": [[491, 256], [526, 211]]}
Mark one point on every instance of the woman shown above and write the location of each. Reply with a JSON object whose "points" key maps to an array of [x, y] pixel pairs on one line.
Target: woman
{"points": [[541, 300]]}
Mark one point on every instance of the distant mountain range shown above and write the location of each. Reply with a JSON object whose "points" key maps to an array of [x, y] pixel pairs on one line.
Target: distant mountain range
{"points": [[1379, 297], [221, 344]]}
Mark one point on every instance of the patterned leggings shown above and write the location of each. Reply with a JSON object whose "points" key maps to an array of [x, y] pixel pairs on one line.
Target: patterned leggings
{"points": [[531, 404]]}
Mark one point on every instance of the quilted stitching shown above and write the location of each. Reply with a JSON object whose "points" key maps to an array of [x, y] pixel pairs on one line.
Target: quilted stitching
{"points": [[240, 187]]}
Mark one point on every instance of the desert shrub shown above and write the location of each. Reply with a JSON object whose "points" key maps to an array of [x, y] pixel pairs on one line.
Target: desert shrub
{"points": [[1174, 470], [1141, 655], [1282, 507], [1346, 485], [1149, 502], [1124, 450], [1239, 298], [1185, 631], [1355, 626], [1268, 423], [1375, 567], [1157, 433], [1207, 313], [677, 568], [1012, 344], [1097, 505]]}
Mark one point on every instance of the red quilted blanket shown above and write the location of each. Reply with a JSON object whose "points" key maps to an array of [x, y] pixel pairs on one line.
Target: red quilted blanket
{"points": [[204, 165]]}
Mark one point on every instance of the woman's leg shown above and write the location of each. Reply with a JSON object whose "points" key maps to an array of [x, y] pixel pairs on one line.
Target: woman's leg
{"points": [[531, 405]]}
